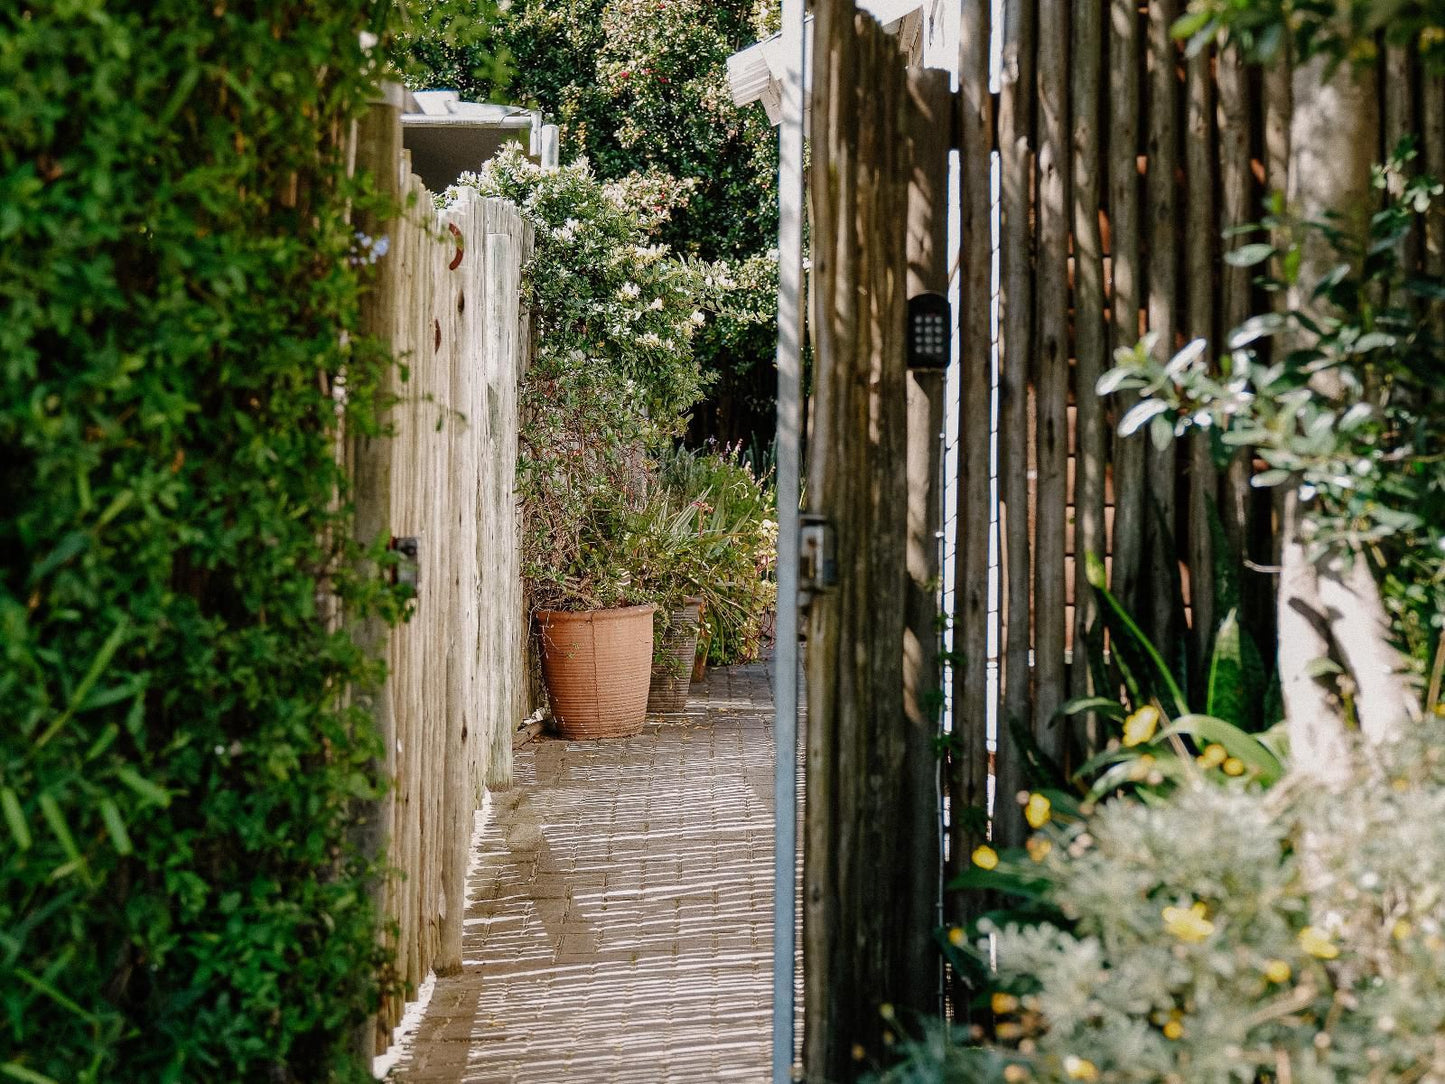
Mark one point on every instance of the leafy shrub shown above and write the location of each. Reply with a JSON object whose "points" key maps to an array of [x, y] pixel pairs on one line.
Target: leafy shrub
{"points": [[179, 770], [611, 376], [1150, 734], [1368, 456], [733, 553], [1232, 935]]}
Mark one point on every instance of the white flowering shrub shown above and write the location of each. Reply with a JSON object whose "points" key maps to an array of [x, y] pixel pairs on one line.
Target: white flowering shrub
{"points": [[1228, 934], [612, 374]]}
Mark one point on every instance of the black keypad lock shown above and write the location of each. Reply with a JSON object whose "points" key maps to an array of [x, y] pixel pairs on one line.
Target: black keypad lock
{"points": [[928, 332]]}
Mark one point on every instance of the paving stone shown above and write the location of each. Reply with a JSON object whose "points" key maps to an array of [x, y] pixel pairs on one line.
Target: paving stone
{"points": [[620, 920]]}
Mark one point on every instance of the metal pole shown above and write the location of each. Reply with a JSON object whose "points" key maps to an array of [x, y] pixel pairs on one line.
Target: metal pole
{"points": [[785, 656]]}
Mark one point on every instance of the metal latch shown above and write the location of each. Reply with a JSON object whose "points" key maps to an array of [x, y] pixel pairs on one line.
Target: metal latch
{"points": [[817, 554], [408, 569]]}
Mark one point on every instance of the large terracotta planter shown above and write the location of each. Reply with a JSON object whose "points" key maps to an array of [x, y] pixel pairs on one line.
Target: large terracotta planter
{"points": [[596, 666], [672, 671]]}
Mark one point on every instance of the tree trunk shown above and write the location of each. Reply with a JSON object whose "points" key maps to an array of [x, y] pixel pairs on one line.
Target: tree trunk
{"points": [[1333, 137]]}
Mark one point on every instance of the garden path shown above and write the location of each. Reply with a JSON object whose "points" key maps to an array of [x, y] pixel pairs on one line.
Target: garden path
{"points": [[619, 924]]}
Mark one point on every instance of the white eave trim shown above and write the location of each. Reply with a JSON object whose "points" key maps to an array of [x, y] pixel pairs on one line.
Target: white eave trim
{"points": [[755, 73]]}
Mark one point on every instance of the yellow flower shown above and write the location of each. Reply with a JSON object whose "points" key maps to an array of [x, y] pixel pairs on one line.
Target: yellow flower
{"points": [[858, 1052], [1213, 756], [1188, 925], [1015, 1074], [1038, 811], [985, 857], [1039, 847], [1080, 1068], [1140, 769], [1317, 943], [1401, 930], [1234, 766], [1140, 726], [1002, 1003], [1277, 971], [1173, 1030], [956, 937]]}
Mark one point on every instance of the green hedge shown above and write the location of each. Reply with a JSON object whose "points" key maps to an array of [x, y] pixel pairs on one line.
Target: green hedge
{"points": [[178, 771]]}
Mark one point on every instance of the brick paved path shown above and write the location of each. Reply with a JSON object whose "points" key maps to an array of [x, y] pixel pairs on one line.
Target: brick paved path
{"points": [[620, 920]]}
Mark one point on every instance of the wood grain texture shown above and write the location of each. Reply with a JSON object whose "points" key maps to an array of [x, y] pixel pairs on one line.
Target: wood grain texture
{"points": [[1162, 618], [1200, 249], [444, 475], [1090, 334], [1017, 105], [858, 857], [928, 125], [1125, 230], [968, 750], [1051, 373]]}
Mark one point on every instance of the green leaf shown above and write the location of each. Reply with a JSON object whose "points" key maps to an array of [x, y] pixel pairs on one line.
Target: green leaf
{"points": [[1226, 674], [1011, 881], [1166, 765], [1256, 327], [1140, 414], [1095, 705], [142, 786], [50, 810], [1141, 657], [16, 1071], [1249, 255], [82, 691], [1267, 479], [46, 988], [1191, 23], [115, 825], [15, 818], [1248, 748]]}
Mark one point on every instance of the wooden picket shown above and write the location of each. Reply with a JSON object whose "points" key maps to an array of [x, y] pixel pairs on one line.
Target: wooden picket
{"points": [[447, 301]]}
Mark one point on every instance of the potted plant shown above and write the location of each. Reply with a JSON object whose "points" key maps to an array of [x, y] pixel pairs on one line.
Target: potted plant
{"points": [[734, 550], [671, 550], [610, 379]]}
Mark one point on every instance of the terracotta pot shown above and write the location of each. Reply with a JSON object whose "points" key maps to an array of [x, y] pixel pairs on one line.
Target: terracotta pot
{"points": [[672, 673], [596, 665]]}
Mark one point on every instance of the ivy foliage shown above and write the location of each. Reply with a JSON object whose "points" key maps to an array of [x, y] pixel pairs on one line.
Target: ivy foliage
{"points": [[179, 771]]}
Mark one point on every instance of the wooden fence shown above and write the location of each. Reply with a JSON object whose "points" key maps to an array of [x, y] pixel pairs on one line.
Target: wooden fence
{"points": [[1122, 163], [446, 298]]}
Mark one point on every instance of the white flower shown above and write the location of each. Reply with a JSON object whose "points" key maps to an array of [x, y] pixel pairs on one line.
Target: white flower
{"points": [[698, 318], [656, 304], [630, 290]]}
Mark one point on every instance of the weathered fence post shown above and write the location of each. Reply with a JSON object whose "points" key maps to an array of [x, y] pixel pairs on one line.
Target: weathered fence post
{"points": [[968, 748], [870, 857], [1090, 335], [928, 123], [1051, 376], [1018, 92]]}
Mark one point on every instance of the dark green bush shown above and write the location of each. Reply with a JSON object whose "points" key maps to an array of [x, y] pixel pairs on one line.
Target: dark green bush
{"points": [[178, 767]]}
